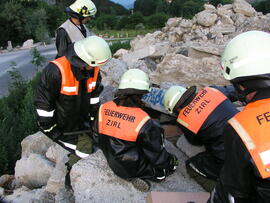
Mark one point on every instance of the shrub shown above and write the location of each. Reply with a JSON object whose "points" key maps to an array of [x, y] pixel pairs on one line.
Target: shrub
{"points": [[118, 45], [17, 119]]}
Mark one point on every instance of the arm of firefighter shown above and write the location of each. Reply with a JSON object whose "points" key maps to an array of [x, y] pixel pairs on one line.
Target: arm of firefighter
{"points": [[62, 41], [151, 141], [95, 98], [45, 100]]}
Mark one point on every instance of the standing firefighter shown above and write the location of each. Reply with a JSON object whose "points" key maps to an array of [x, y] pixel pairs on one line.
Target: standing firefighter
{"points": [[131, 141], [68, 95], [202, 116], [246, 173], [74, 29]]}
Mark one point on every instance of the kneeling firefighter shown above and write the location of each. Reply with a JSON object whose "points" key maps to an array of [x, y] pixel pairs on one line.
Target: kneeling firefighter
{"points": [[202, 116], [131, 141]]}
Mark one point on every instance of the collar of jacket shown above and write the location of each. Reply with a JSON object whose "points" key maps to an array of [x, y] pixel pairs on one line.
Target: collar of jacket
{"points": [[261, 94]]}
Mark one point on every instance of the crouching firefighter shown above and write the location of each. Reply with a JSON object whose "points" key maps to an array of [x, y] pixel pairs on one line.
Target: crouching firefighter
{"points": [[131, 141], [68, 96], [202, 116]]}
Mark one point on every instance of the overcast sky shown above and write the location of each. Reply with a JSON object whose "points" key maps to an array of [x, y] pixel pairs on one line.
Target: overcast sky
{"points": [[126, 3]]}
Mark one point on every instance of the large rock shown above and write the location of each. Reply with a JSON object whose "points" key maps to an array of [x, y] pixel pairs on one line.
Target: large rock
{"points": [[181, 69], [206, 18], [33, 171], [93, 181], [37, 143], [28, 44], [243, 7]]}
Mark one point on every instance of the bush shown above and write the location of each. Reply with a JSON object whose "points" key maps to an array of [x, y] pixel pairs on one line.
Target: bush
{"points": [[118, 45], [157, 20], [17, 119]]}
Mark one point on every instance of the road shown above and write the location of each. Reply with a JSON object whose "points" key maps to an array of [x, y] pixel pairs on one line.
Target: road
{"points": [[22, 58]]}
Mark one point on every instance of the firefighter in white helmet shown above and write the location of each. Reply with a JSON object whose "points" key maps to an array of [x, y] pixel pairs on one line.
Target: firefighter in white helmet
{"points": [[74, 29], [67, 96], [245, 176], [131, 141], [202, 116]]}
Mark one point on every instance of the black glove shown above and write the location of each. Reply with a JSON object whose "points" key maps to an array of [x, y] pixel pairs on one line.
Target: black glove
{"points": [[173, 163], [55, 134]]}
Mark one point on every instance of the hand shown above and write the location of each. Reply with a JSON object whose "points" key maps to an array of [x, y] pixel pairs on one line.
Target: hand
{"points": [[55, 134], [173, 163]]}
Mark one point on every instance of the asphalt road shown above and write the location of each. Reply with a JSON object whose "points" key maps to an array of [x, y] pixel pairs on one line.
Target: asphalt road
{"points": [[22, 58]]}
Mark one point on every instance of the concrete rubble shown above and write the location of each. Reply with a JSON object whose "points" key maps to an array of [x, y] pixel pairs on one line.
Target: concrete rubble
{"points": [[186, 52]]}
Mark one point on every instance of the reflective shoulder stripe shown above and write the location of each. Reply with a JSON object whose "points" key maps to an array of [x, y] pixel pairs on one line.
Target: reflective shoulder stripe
{"points": [[182, 122], [142, 123], [100, 113], [44, 113], [242, 133]]}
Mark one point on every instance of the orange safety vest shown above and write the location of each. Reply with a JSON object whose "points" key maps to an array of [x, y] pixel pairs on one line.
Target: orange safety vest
{"points": [[70, 86], [253, 127], [121, 122], [197, 111]]}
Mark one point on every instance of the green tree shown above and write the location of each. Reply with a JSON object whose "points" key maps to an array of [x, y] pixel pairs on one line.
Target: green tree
{"points": [[262, 6], [106, 22], [37, 59], [216, 2], [146, 7], [191, 7], [134, 20], [157, 20]]}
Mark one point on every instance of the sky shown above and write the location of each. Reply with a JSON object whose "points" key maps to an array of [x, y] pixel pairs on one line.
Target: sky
{"points": [[125, 3]]}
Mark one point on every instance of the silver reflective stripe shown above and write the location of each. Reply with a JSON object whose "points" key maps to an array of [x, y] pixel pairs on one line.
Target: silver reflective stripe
{"points": [[68, 145], [94, 100], [265, 156], [92, 85], [212, 195], [243, 133], [196, 170], [44, 113], [142, 123], [182, 122], [50, 129], [231, 198], [100, 113], [81, 154], [69, 89]]}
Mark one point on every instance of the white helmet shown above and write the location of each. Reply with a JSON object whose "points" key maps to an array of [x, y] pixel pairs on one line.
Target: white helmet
{"points": [[134, 79], [247, 54], [93, 50], [172, 96], [84, 8]]}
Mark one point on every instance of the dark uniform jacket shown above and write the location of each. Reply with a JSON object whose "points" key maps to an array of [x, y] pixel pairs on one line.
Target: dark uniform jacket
{"points": [[240, 177], [210, 135], [144, 157], [66, 113]]}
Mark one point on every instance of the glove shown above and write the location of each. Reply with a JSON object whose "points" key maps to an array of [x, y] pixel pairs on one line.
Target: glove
{"points": [[173, 163], [55, 134]]}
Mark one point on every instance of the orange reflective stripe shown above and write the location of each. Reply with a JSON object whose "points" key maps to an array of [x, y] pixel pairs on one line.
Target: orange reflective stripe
{"points": [[194, 115], [121, 122], [91, 82], [253, 127], [69, 84]]}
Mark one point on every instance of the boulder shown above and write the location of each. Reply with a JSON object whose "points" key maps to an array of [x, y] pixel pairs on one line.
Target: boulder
{"points": [[206, 18], [28, 44], [243, 7]]}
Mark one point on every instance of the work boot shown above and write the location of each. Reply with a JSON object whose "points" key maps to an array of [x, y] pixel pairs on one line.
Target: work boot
{"points": [[141, 185]]}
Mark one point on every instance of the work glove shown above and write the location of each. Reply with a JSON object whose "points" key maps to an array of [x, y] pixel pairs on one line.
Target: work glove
{"points": [[173, 164], [55, 134]]}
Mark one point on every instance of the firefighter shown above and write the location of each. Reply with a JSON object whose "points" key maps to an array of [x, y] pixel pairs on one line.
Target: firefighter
{"points": [[131, 141], [245, 176], [202, 116], [67, 96], [74, 29]]}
